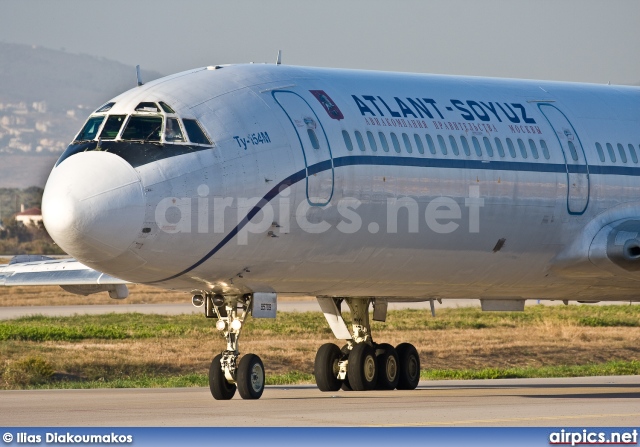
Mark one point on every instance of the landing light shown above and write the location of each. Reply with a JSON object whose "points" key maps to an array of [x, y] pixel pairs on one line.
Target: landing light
{"points": [[220, 325], [197, 300], [236, 325]]}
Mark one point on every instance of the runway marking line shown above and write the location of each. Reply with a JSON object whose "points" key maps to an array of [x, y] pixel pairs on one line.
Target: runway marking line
{"points": [[486, 421]]}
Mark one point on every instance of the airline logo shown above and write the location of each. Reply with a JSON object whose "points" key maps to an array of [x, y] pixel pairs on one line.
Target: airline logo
{"points": [[329, 106]]}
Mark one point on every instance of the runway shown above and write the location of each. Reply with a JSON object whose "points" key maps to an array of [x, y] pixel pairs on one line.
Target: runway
{"points": [[8, 313], [577, 402], [309, 305]]}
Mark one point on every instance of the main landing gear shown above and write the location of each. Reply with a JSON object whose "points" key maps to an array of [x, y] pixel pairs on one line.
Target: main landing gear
{"points": [[363, 365], [226, 374]]}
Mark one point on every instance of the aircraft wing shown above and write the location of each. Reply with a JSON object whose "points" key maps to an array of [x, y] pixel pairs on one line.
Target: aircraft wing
{"points": [[67, 273]]}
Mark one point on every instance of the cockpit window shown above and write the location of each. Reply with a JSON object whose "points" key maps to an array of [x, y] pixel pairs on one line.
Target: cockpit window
{"points": [[166, 107], [147, 107], [195, 132], [106, 107], [145, 128], [172, 132], [112, 127], [90, 130]]}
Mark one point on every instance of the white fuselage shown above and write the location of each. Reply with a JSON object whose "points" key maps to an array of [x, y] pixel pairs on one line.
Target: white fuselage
{"points": [[284, 198]]}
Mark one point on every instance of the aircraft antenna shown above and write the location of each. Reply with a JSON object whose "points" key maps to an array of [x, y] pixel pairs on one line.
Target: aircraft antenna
{"points": [[279, 59], [138, 76]]}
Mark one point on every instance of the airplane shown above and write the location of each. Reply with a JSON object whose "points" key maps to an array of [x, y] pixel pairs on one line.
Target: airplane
{"points": [[236, 183]]}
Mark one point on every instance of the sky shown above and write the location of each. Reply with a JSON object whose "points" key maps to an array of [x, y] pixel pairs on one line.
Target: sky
{"points": [[568, 40]]}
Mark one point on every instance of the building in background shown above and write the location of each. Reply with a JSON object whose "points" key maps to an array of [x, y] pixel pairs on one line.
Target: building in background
{"points": [[31, 216]]}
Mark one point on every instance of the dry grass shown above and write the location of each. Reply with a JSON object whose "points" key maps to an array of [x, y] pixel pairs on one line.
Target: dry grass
{"points": [[55, 296], [533, 345]]}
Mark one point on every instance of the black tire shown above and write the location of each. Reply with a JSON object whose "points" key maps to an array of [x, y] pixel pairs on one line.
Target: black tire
{"points": [[388, 367], [409, 367], [326, 369], [250, 377], [345, 384], [220, 388], [361, 370], [345, 356]]}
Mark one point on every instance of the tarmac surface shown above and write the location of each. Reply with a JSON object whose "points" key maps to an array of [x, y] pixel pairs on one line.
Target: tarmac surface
{"points": [[7, 313], [572, 402]]}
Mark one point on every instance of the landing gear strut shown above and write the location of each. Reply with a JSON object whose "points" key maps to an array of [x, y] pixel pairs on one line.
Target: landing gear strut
{"points": [[226, 374], [363, 365]]}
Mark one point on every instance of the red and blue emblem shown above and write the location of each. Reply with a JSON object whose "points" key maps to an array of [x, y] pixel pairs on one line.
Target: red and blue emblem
{"points": [[332, 109]]}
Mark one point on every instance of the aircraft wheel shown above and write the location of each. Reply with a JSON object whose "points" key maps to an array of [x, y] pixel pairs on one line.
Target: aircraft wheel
{"points": [[387, 363], [361, 370], [326, 368], [345, 355], [409, 366], [250, 377], [220, 388]]}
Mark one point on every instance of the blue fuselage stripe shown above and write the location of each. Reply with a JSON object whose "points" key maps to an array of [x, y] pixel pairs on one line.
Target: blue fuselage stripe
{"points": [[385, 160]]}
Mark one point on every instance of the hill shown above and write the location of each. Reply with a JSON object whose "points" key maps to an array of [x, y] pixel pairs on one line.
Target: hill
{"points": [[45, 96]]}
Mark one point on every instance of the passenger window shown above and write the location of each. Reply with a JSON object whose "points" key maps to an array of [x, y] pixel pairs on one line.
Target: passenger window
{"points": [[623, 154], [454, 145], [396, 143], [383, 141], [632, 152], [523, 148], [166, 107], [90, 129], [500, 147], [372, 142], [106, 107], [534, 149], [145, 128], [545, 149], [512, 149], [612, 154], [195, 132], [476, 146], [407, 143], [419, 143], [600, 152], [487, 146], [112, 127], [443, 145], [465, 146], [147, 107], [360, 141], [572, 149], [432, 147], [347, 140], [314, 138]]}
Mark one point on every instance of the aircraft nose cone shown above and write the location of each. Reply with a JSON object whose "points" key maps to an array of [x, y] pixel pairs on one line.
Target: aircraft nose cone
{"points": [[93, 206]]}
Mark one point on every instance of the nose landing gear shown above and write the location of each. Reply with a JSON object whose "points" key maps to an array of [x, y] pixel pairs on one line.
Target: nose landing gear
{"points": [[226, 374]]}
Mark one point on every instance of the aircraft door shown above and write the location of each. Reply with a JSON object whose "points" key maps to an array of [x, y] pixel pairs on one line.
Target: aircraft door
{"points": [[577, 167], [314, 143]]}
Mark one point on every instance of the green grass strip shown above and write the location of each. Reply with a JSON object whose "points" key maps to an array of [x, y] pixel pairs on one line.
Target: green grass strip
{"points": [[613, 368], [139, 326]]}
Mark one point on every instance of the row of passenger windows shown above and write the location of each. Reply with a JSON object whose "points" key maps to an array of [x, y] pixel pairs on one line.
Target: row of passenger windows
{"points": [[621, 152], [453, 145], [524, 149]]}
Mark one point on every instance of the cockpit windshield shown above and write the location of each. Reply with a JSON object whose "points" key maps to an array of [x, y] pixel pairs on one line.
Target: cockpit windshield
{"points": [[145, 128], [90, 129], [172, 132], [112, 127]]}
